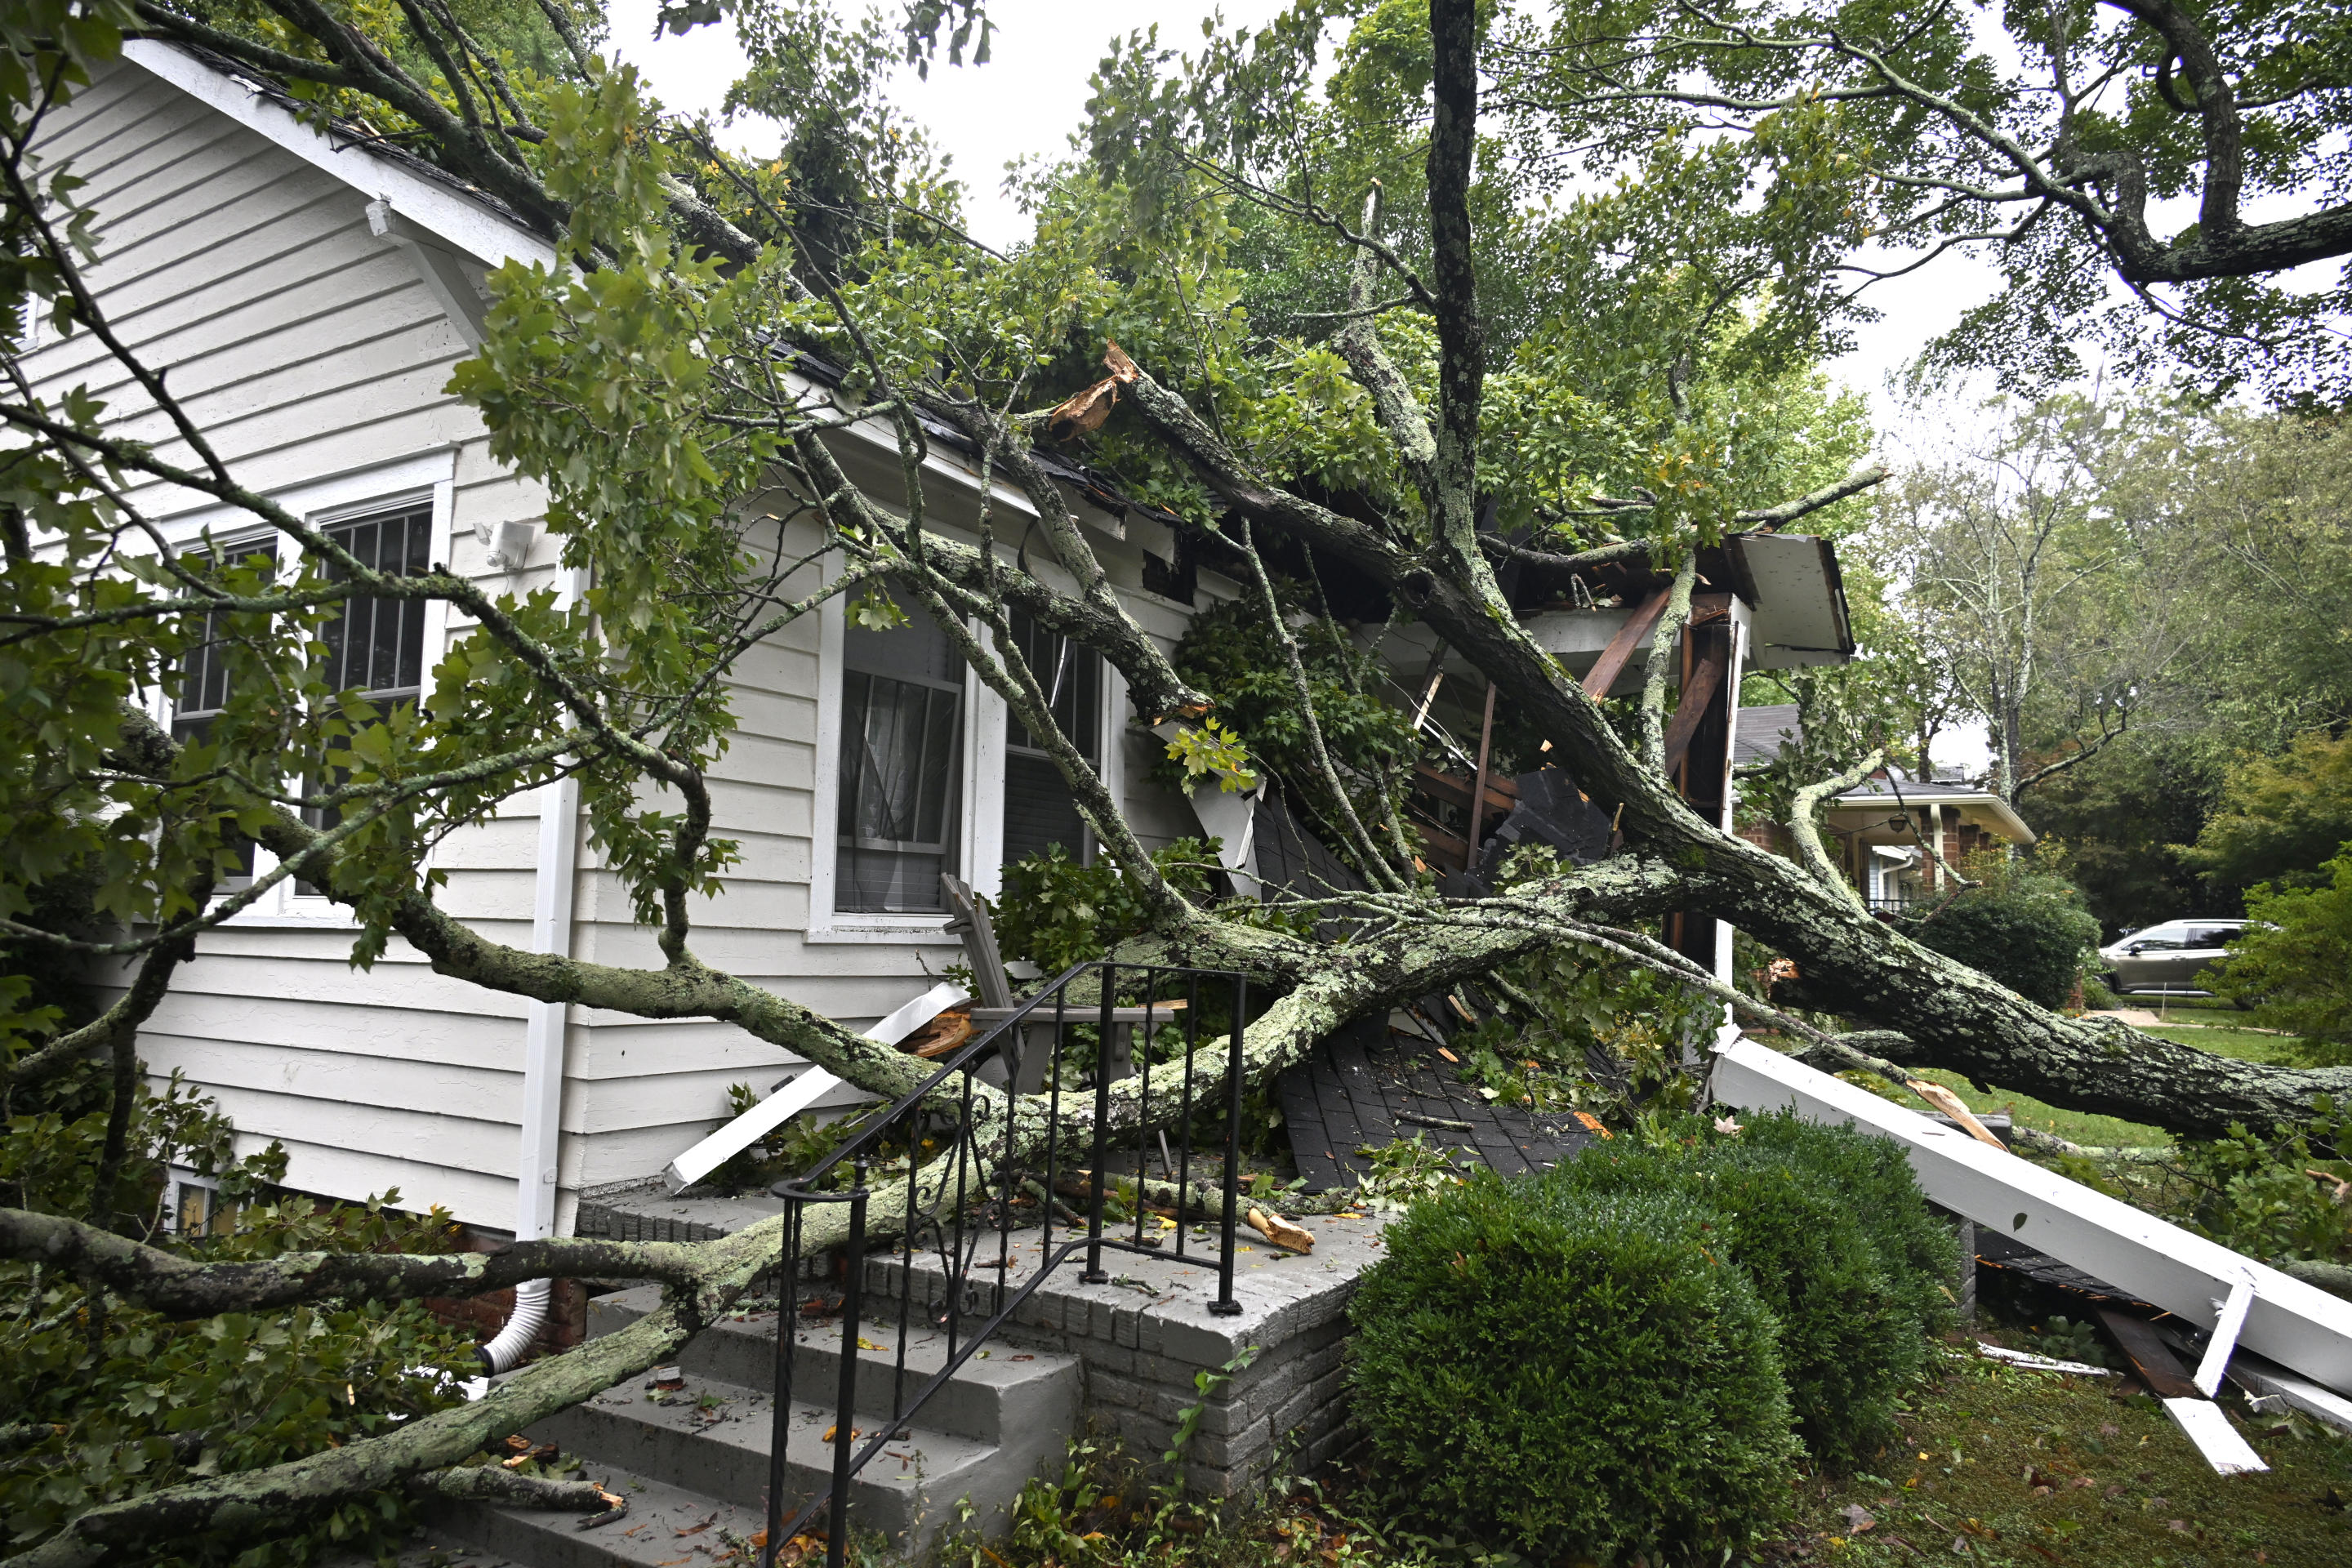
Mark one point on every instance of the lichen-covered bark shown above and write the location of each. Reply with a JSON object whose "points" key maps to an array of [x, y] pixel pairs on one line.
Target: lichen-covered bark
{"points": [[1950, 1016], [179, 1287]]}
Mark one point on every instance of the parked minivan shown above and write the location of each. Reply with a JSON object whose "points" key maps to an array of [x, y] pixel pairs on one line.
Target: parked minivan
{"points": [[2169, 957]]}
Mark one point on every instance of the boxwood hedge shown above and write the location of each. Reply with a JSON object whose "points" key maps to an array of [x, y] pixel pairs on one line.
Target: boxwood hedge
{"points": [[1571, 1373], [1616, 1359]]}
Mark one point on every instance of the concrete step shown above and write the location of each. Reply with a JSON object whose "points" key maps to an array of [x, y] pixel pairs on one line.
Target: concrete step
{"points": [[664, 1523], [1004, 1393], [712, 1438], [693, 1460]]}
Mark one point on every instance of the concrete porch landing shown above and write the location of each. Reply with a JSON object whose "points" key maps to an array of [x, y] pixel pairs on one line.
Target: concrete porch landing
{"points": [[1141, 1337]]}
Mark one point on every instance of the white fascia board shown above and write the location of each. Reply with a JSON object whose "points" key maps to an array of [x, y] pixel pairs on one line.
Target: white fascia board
{"points": [[2297, 1325], [467, 225], [2012, 826], [879, 435]]}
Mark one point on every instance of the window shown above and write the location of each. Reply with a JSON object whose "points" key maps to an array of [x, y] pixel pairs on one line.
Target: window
{"points": [[1038, 810], [2214, 936], [901, 768], [376, 647], [204, 685]]}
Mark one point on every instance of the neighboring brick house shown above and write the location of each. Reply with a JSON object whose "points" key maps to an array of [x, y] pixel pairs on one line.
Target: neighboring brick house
{"points": [[1879, 834]]}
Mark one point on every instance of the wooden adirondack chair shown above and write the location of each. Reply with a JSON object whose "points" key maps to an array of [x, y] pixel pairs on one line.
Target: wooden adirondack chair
{"points": [[1026, 1060]]}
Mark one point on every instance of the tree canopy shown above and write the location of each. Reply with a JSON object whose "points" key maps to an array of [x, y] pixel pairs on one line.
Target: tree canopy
{"points": [[1459, 365]]}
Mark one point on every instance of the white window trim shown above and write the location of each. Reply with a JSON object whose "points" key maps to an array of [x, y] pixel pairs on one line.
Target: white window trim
{"points": [[335, 498], [177, 1179], [983, 798]]}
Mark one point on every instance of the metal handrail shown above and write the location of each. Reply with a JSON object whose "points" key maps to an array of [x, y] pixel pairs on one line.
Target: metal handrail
{"points": [[971, 1176]]}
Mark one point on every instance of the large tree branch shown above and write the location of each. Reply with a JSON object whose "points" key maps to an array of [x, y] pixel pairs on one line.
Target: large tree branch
{"points": [[1762, 519], [1966, 1021], [1359, 343], [1663, 640], [1808, 833], [1461, 332], [177, 1286]]}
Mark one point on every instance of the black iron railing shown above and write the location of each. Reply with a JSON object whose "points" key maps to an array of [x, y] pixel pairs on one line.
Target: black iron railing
{"points": [[969, 1181]]}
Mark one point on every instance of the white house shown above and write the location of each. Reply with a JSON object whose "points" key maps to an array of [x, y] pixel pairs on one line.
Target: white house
{"points": [[308, 299]]}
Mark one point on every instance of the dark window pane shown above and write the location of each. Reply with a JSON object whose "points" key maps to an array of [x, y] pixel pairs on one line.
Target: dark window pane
{"points": [[203, 673], [377, 645], [204, 682], [1072, 679], [1039, 809], [235, 868]]}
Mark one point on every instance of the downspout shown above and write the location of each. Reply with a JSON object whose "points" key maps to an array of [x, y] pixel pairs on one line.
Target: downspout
{"points": [[543, 1051]]}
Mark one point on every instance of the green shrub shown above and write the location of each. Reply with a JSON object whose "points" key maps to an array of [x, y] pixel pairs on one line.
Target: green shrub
{"points": [[2293, 966], [1871, 1179], [1570, 1373], [2030, 932], [1853, 1304]]}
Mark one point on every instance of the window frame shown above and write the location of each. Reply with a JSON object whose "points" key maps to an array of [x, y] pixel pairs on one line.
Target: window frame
{"points": [[979, 829], [982, 848], [428, 477]]}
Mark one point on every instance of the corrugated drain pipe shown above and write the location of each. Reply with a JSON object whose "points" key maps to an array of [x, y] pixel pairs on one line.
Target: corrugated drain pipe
{"points": [[542, 1052]]}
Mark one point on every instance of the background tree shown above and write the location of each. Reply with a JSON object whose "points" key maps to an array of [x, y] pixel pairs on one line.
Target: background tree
{"points": [[2237, 525], [2017, 570], [2108, 155]]}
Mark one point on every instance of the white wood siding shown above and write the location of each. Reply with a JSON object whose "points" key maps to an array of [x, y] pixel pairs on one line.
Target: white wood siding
{"points": [[308, 351]]}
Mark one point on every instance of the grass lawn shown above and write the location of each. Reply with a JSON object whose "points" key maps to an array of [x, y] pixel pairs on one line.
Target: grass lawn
{"points": [[2246, 1044], [2008, 1467]]}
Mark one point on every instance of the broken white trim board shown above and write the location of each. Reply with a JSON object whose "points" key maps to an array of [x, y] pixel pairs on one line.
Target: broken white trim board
{"points": [[2264, 1381], [2026, 1361], [798, 1094], [2209, 1427], [2297, 1325], [2233, 1311]]}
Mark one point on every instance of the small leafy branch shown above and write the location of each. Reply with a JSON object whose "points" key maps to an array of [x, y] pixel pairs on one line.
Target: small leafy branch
{"points": [[1205, 1383]]}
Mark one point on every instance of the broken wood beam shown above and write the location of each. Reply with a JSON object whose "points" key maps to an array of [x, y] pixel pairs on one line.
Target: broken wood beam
{"points": [[1698, 693], [1438, 844], [2150, 1356], [1478, 789], [1611, 662], [1501, 794]]}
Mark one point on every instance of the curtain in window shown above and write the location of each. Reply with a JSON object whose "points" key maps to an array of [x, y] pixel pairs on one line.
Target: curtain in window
{"points": [[901, 769]]}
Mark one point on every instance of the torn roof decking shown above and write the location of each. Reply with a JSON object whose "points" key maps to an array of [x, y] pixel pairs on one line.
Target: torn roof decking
{"points": [[1790, 583]]}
